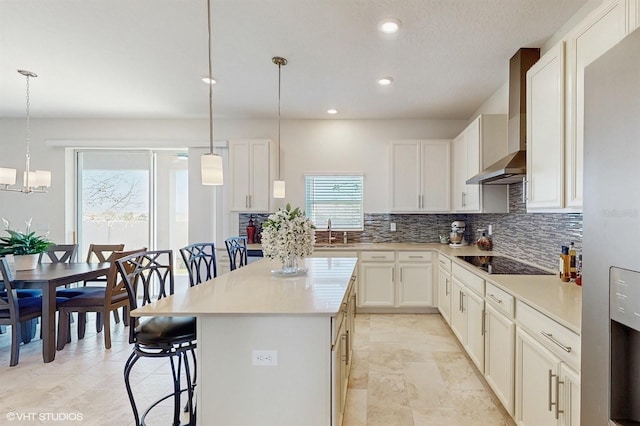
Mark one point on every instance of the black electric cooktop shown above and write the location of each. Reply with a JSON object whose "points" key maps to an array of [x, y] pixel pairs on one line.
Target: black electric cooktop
{"points": [[503, 265]]}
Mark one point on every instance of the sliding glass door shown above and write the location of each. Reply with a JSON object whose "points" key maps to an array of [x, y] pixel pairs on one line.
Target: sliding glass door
{"points": [[137, 198]]}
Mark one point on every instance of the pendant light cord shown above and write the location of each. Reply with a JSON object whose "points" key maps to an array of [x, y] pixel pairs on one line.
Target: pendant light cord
{"points": [[279, 83], [210, 80], [28, 143]]}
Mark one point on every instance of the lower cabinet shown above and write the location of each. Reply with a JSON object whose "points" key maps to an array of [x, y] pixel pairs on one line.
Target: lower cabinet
{"points": [[444, 294], [341, 353], [547, 389], [395, 280], [500, 335], [467, 321]]}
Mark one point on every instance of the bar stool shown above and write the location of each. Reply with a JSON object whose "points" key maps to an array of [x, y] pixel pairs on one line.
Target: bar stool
{"points": [[237, 250], [155, 337], [200, 260]]}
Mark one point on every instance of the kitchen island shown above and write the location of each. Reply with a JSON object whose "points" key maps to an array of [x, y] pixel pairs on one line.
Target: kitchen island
{"points": [[271, 350]]}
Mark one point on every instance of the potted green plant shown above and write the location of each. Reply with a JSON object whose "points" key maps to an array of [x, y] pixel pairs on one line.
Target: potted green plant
{"points": [[24, 246]]}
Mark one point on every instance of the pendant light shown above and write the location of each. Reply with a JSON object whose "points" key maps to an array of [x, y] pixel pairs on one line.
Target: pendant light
{"points": [[279, 185], [210, 163], [32, 181]]}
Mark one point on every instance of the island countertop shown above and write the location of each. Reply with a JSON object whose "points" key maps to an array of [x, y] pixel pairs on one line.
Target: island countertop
{"points": [[253, 289]]}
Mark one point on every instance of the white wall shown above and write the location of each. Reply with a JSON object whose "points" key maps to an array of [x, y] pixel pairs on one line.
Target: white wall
{"points": [[307, 146]]}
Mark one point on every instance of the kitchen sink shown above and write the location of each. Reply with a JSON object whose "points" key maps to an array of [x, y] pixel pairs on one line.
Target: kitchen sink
{"points": [[333, 245]]}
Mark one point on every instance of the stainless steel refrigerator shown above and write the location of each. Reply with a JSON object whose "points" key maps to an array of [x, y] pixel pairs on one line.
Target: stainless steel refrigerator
{"points": [[610, 373]]}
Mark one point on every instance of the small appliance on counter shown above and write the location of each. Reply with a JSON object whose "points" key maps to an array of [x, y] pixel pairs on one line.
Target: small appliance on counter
{"points": [[457, 234]]}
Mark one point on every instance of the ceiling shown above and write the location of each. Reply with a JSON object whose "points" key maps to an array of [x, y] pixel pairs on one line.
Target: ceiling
{"points": [[144, 58]]}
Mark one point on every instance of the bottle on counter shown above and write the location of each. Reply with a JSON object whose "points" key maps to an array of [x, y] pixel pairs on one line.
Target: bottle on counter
{"points": [[344, 237], [251, 231], [566, 268], [579, 270], [572, 261], [484, 242], [561, 262]]}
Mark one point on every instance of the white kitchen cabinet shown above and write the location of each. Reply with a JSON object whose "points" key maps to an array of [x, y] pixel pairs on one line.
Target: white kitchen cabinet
{"points": [[444, 287], [341, 353], [480, 144], [545, 131], [376, 283], [420, 176], [597, 33], [396, 281], [634, 15], [250, 165], [547, 361], [467, 321], [499, 363]]}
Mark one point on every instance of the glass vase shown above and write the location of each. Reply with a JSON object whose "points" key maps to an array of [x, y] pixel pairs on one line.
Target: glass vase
{"points": [[290, 264]]}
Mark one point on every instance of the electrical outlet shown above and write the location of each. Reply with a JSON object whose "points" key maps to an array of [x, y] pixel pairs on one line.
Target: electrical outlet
{"points": [[265, 358], [393, 227]]}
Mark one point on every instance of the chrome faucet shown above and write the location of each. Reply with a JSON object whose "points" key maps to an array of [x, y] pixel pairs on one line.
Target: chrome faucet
{"points": [[329, 230]]}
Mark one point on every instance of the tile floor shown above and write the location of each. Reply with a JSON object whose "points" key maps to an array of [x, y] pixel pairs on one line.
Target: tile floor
{"points": [[408, 370]]}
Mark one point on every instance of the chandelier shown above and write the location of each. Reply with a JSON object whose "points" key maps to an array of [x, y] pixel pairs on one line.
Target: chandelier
{"points": [[32, 181], [210, 163]]}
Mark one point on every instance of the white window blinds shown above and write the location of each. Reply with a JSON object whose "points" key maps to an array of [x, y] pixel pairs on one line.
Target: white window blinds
{"points": [[339, 198]]}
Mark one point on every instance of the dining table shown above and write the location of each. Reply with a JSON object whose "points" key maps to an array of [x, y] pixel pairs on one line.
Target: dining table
{"points": [[49, 276]]}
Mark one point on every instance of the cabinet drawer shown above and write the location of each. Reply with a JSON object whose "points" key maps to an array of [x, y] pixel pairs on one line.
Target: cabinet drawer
{"points": [[444, 262], [336, 322], [469, 279], [378, 256], [554, 336], [415, 256], [500, 299]]}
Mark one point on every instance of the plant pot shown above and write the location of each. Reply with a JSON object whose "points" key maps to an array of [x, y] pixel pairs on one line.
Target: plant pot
{"points": [[26, 262]]}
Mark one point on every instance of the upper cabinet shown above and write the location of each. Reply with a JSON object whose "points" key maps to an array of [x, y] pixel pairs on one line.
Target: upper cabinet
{"points": [[555, 105], [545, 131], [250, 165], [420, 176], [482, 143], [600, 31]]}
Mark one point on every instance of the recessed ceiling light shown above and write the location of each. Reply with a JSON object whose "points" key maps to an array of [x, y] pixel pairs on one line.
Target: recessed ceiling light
{"points": [[332, 111], [206, 80], [385, 81], [389, 25]]}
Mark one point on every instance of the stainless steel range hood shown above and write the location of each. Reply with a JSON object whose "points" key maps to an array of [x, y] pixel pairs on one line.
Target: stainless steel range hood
{"points": [[513, 167]]}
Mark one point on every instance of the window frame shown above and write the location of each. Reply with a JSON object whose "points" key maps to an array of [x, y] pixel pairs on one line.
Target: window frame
{"points": [[337, 226]]}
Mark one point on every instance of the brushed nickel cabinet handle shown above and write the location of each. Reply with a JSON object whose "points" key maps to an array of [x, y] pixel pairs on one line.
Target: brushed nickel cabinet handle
{"points": [[558, 410], [553, 339], [551, 376], [495, 299], [524, 189]]}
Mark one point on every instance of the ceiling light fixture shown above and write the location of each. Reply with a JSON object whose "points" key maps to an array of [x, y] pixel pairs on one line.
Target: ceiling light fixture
{"points": [[36, 181], [389, 25], [385, 81], [279, 185], [210, 163], [332, 111], [207, 80]]}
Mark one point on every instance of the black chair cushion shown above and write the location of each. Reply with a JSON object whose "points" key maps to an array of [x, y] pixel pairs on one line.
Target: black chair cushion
{"points": [[78, 291], [164, 331], [29, 305]]}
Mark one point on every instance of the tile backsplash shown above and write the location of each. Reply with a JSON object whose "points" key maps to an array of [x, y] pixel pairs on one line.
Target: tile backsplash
{"points": [[533, 237]]}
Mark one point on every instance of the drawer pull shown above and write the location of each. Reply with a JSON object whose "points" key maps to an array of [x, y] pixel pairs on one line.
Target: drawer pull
{"points": [[378, 257], [553, 339], [415, 257], [495, 299]]}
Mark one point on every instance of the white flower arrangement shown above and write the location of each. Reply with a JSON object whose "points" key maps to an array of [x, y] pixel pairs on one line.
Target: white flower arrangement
{"points": [[288, 233]]}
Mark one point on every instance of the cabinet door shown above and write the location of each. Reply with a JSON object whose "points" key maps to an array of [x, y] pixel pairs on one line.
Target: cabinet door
{"points": [[376, 285], [545, 131], [536, 370], [472, 192], [459, 161], [458, 313], [499, 362], [570, 398], [600, 31], [444, 294], [239, 165], [404, 185], [436, 176], [415, 284], [260, 183], [338, 368], [474, 307]]}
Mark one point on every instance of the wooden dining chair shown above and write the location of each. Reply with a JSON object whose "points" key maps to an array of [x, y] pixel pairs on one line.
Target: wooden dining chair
{"points": [[98, 253], [15, 311], [237, 250], [102, 301], [200, 261], [59, 253]]}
